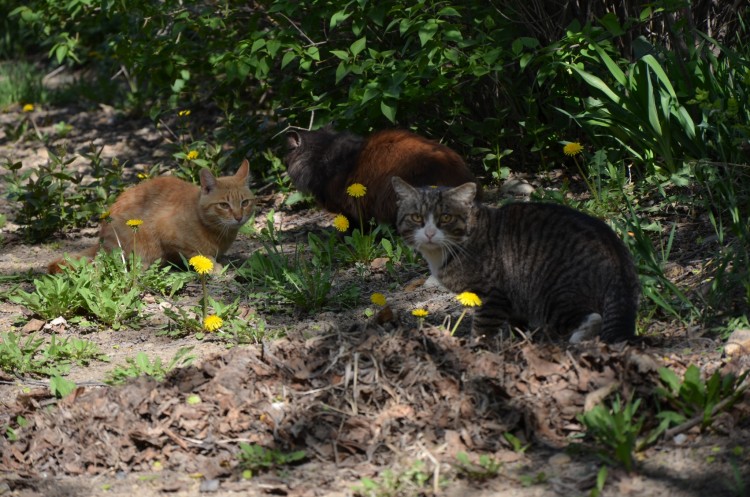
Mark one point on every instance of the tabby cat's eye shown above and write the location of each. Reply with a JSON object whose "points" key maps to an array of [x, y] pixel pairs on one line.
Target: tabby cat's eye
{"points": [[446, 218], [417, 218]]}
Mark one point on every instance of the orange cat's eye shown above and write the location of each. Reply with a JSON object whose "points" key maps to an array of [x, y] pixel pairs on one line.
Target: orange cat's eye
{"points": [[417, 218], [224, 205], [245, 203], [446, 218]]}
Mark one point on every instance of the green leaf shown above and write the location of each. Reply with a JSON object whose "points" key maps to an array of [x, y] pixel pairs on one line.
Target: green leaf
{"points": [[60, 387], [653, 117], [660, 74], [288, 57], [427, 31], [341, 54], [596, 82], [612, 24], [358, 46], [389, 111], [257, 45], [339, 17], [670, 378], [341, 71], [614, 69]]}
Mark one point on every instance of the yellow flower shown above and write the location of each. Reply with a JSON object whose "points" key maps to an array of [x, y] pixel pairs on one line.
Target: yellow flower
{"points": [[192, 155], [28, 108], [104, 215], [356, 190], [378, 299], [142, 176], [419, 313], [201, 264], [212, 322], [341, 223], [469, 299], [572, 148], [184, 113], [134, 223]]}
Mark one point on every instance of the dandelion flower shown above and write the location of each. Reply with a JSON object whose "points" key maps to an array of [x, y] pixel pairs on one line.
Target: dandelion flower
{"points": [[356, 190], [134, 223], [28, 108], [212, 322], [469, 299], [192, 155], [104, 215], [201, 264], [184, 113], [572, 148], [378, 299], [142, 176], [419, 313], [341, 223]]}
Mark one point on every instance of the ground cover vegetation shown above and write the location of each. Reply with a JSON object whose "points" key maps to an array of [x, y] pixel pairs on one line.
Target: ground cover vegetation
{"points": [[638, 113]]}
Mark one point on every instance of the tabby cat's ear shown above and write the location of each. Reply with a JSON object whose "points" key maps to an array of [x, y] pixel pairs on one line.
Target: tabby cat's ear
{"points": [[293, 140], [465, 193], [243, 172], [208, 181], [402, 188]]}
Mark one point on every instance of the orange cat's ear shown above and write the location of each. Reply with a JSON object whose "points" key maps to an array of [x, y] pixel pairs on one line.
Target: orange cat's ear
{"points": [[208, 181], [244, 171]]}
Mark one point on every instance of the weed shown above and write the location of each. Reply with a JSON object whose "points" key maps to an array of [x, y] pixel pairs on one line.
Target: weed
{"points": [[306, 282], [415, 480], [21, 82], [255, 458], [141, 365], [692, 397], [601, 480], [616, 429], [60, 387], [71, 349], [26, 356], [32, 356], [10, 433], [517, 445], [485, 468]]}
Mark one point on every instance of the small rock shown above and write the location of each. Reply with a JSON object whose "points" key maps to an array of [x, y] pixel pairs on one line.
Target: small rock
{"points": [[209, 485], [560, 459], [680, 439]]}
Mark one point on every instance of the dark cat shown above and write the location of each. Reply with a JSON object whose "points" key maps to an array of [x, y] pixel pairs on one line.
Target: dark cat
{"points": [[546, 265], [325, 162]]}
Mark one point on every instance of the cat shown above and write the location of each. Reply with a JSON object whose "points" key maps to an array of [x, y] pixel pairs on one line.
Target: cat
{"points": [[325, 162], [179, 218], [544, 265]]}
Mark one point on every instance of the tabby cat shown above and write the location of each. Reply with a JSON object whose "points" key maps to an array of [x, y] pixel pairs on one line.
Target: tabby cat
{"points": [[179, 218], [542, 265], [325, 162]]}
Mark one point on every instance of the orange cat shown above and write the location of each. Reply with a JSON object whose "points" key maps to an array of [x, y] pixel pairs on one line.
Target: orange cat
{"points": [[325, 162], [179, 218]]}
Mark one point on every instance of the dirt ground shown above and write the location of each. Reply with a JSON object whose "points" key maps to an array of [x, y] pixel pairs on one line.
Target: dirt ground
{"points": [[362, 396]]}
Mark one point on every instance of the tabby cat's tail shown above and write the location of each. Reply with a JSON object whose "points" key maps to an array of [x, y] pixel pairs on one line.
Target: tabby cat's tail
{"points": [[619, 316], [56, 266]]}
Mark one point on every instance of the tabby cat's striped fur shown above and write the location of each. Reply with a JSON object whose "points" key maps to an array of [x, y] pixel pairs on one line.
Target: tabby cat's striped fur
{"points": [[543, 265]]}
